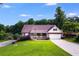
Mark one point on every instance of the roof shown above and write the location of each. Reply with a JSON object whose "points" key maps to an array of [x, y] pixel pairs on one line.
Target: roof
{"points": [[36, 28]]}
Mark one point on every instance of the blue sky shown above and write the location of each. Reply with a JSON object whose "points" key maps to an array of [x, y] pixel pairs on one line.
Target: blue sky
{"points": [[11, 13]]}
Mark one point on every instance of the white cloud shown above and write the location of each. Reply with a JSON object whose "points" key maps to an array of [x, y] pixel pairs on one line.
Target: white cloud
{"points": [[24, 15], [72, 14], [50, 4], [6, 6]]}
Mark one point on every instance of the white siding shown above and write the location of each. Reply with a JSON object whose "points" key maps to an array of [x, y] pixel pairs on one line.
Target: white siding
{"points": [[54, 34], [52, 31], [25, 34]]}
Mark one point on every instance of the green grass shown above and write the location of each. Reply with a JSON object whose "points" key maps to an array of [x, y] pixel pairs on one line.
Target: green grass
{"points": [[71, 40], [33, 48], [2, 40]]}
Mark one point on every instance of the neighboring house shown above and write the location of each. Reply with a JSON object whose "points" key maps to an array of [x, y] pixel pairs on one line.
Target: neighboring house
{"points": [[41, 32]]}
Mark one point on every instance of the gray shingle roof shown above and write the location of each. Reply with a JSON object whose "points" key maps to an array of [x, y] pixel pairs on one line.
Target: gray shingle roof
{"points": [[36, 28]]}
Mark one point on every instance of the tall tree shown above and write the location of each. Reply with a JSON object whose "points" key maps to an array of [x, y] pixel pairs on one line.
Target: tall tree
{"points": [[59, 17]]}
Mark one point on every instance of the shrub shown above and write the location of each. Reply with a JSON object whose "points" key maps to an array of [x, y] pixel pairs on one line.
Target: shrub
{"points": [[6, 36], [69, 35], [9, 36], [2, 35], [77, 38], [16, 36], [24, 38]]}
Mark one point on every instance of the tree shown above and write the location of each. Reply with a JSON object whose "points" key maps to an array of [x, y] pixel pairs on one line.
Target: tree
{"points": [[43, 22], [2, 27], [2, 34], [73, 19], [59, 17], [16, 28], [69, 26], [7, 29], [37, 22], [30, 21], [51, 21]]}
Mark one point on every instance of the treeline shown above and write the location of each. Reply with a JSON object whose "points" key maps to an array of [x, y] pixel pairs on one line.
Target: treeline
{"points": [[67, 24], [18, 26], [71, 24]]}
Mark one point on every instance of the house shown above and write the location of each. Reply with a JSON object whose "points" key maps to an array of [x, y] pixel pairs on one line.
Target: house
{"points": [[37, 32]]}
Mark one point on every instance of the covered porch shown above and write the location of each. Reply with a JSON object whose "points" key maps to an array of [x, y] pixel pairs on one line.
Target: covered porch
{"points": [[38, 36]]}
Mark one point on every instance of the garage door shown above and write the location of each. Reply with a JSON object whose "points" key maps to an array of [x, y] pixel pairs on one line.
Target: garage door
{"points": [[55, 36]]}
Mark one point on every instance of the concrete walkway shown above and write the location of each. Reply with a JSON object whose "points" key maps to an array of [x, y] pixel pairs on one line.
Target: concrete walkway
{"points": [[71, 48], [2, 44]]}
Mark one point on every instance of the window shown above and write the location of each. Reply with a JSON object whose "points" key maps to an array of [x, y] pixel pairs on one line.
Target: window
{"points": [[38, 34], [44, 34], [55, 29], [26, 34], [33, 34]]}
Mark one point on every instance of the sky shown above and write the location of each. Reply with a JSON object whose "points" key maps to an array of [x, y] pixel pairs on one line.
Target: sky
{"points": [[11, 13]]}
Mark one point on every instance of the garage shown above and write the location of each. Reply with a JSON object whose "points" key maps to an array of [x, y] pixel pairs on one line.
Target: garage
{"points": [[55, 36], [55, 33]]}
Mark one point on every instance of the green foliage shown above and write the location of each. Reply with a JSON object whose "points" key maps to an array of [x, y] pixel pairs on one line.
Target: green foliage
{"points": [[73, 19], [59, 17], [30, 21], [18, 27], [15, 28], [51, 21], [2, 27], [9, 36], [2, 34], [77, 38], [41, 22], [5, 36], [16, 36], [70, 26]]}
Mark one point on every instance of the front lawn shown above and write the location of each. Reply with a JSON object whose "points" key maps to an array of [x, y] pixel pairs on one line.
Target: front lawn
{"points": [[33, 48]]}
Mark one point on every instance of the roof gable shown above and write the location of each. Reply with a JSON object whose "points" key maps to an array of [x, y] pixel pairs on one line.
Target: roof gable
{"points": [[55, 31]]}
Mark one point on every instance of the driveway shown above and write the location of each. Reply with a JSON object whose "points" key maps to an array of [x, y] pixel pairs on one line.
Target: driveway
{"points": [[72, 48], [5, 43]]}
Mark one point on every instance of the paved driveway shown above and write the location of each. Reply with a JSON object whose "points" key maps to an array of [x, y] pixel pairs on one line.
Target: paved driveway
{"points": [[72, 48], [2, 44]]}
